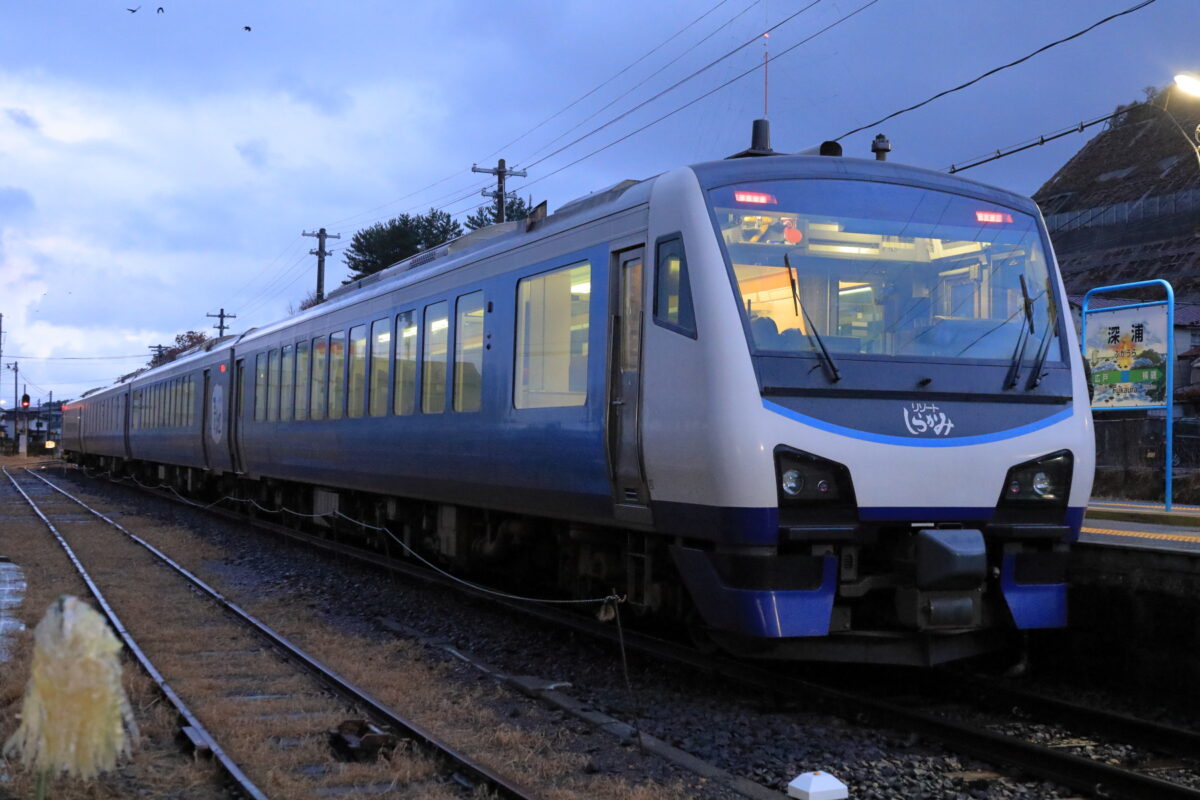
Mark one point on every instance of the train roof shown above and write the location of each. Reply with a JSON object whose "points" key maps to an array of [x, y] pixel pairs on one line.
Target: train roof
{"points": [[721, 173]]}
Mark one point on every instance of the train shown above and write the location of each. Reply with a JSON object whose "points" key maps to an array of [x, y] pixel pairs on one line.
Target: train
{"points": [[796, 406]]}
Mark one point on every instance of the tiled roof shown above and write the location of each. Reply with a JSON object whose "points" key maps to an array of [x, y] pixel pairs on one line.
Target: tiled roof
{"points": [[1141, 153]]}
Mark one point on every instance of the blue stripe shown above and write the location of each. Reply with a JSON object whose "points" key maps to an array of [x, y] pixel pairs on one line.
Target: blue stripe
{"points": [[880, 438]]}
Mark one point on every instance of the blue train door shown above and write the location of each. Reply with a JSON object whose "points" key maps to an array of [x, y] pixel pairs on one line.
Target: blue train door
{"points": [[630, 497]]}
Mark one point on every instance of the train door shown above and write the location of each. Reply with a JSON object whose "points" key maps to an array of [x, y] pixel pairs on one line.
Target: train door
{"points": [[237, 395], [126, 420], [206, 417], [630, 496]]}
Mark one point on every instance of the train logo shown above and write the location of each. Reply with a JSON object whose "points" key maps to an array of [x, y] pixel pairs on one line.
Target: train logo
{"points": [[922, 418], [216, 414]]}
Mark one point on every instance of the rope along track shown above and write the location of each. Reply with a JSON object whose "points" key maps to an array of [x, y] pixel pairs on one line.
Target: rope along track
{"points": [[1091, 777], [241, 662]]}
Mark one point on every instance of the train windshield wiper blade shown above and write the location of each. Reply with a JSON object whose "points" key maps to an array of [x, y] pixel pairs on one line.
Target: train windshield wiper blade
{"points": [[1043, 350], [1014, 370], [834, 374]]}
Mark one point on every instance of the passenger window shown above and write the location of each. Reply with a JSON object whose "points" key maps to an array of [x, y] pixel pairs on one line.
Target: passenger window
{"points": [[672, 290], [404, 400], [260, 387], [433, 369], [356, 398], [320, 359], [381, 345], [302, 380], [273, 387], [468, 353], [552, 338], [287, 383], [337, 373]]}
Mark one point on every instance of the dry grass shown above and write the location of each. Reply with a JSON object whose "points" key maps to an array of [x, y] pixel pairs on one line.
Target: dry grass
{"points": [[157, 767]]}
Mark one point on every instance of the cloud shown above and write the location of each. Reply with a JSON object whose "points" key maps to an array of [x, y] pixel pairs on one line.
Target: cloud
{"points": [[22, 118], [254, 152], [325, 100]]}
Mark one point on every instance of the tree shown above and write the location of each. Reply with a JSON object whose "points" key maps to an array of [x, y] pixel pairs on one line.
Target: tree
{"points": [[308, 302], [514, 208], [184, 341], [385, 243]]}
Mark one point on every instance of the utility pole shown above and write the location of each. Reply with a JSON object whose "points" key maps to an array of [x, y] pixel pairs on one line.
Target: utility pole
{"points": [[222, 316], [320, 253], [159, 350], [501, 172]]}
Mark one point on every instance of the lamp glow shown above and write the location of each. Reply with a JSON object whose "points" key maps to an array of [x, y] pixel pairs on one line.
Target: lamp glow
{"points": [[1188, 82]]}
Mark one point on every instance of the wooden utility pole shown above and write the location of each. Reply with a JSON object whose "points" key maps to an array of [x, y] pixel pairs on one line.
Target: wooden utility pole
{"points": [[501, 172], [320, 253], [222, 316]]}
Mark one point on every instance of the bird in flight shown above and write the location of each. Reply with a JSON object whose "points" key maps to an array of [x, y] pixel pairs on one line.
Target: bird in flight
{"points": [[133, 10], [245, 27]]}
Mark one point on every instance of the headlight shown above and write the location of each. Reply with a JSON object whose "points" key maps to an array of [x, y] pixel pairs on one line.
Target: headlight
{"points": [[1042, 482], [792, 482], [808, 480]]}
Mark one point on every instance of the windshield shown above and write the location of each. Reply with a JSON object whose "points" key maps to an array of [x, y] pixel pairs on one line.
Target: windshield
{"points": [[879, 268]]}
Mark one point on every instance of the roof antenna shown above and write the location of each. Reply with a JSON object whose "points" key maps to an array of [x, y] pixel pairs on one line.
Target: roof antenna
{"points": [[760, 141]]}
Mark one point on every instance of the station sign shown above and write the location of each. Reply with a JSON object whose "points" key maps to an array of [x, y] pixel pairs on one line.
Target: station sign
{"points": [[1128, 350]]}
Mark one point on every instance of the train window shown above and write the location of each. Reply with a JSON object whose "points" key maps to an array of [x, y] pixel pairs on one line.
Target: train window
{"points": [[468, 353], [188, 399], [260, 387], [672, 290], [287, 382], [381, 343], [405, 394], [177, 402], [357, 372], [337, 373], [273, 386], [433, 368], [320, 365], [552, 338], [301, 380]]}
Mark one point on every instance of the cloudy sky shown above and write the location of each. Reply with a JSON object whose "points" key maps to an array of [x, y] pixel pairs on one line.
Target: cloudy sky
{"points": [[156, 167]]}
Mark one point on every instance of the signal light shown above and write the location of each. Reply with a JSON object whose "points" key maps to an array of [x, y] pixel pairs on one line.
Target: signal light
{"points": [[758, 198], [992, 217], [24, 401]]}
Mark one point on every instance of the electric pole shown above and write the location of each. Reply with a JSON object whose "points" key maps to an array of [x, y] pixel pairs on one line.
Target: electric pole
{"points": [[222, 316], [501, 172], [320, 253], [159, 351]]}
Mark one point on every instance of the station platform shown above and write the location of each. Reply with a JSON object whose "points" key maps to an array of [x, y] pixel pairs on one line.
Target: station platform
{"points": [[1142, 525]]}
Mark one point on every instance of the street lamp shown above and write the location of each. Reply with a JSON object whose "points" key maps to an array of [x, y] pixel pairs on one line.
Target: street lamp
{"points": [[1188, 83]]}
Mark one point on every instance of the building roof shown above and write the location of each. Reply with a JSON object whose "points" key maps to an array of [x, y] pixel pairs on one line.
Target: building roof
{"points": [[1141, 153]]}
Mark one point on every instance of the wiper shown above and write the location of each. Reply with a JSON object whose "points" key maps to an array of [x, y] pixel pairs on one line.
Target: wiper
{"points": [[1014, 370], [813, 333], [1043, 350]]}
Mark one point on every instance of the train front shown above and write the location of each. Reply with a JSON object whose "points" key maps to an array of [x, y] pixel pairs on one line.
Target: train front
{"points": [[920, 413]]}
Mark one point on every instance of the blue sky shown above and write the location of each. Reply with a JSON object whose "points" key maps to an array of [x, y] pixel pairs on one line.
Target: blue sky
{"points": [[157, 167]]}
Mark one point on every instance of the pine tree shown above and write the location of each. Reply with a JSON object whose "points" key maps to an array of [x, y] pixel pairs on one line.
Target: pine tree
{"points": [[385, 243], [515, 208]]}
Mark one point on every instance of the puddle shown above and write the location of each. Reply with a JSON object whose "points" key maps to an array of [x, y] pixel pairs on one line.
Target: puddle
{"points": [[12, 593]]}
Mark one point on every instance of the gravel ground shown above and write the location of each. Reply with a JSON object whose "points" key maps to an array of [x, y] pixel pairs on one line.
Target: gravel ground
{"points": [[752, 736]]}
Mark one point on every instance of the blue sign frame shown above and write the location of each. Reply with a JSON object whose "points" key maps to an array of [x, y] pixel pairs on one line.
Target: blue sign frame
{"points": [[1170, 366]]}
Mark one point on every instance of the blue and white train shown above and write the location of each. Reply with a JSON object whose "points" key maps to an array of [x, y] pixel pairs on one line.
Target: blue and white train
{"points": [[807, 406]]}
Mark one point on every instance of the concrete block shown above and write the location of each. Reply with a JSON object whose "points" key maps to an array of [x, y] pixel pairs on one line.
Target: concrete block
{"points": [[817, 786]]}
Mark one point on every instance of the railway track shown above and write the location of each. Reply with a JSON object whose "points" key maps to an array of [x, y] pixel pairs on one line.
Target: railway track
{"points": [[982, 740], [265, 713]]}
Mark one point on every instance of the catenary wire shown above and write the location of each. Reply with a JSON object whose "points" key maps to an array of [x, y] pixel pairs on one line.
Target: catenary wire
{"points": [[692, 102], [534, 128], [618, 74], [993, 71], [679, 83], [642, 82], [1031, 143]]}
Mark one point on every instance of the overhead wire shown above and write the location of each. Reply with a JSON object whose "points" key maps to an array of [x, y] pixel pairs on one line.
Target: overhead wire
{"points": [[539, 125], [1001, 68], [692, 102], [683, 80]]}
